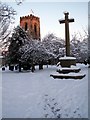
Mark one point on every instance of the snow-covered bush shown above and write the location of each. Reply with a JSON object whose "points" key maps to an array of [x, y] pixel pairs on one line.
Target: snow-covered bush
{"points": [[79, 49], [35, 52], [53, 43]]}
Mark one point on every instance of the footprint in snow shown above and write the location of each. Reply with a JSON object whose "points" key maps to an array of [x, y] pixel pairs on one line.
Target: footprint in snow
{"points": [[46, 115], [46, 95], [75, 111], [57, 110], [52, 108], [79, 115], [48, 105], [77, 108], [53, 99], [55, 104], [59, 116]]}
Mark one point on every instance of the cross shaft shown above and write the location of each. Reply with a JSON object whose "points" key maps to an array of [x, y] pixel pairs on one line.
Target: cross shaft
{"points": [[67, 38]]}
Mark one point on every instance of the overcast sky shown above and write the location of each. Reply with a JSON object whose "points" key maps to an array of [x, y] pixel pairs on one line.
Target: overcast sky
{"points": [[51, 12]]}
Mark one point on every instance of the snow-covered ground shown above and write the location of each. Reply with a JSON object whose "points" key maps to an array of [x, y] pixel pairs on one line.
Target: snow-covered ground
{"points": [[0, 95], [37, 95]]}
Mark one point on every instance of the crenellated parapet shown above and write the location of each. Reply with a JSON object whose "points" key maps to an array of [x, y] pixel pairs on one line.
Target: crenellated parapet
{"points": [[29, 17]]}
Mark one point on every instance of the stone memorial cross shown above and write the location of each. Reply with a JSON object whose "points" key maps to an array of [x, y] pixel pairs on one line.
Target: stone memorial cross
{"points": [[67, 38]]}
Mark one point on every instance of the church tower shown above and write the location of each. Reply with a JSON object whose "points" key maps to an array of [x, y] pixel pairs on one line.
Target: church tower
{"points": [[31, 24]]}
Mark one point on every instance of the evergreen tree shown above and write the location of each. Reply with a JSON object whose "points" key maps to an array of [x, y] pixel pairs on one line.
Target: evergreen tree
{"points": [[19, 37]]}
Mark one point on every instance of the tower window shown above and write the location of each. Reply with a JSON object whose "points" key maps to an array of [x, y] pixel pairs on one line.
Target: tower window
{"points": [[31, 26], [35, 29], [26, 26]]}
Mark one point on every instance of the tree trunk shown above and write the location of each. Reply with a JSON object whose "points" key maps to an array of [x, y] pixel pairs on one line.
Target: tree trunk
{"points": [[19, 66], [40, 66], [47, 65], [33, 68], [9, 66]]}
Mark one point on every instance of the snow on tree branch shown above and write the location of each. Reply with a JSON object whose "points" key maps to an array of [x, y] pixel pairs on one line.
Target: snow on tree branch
{"points": [[19, 2], [7, 14]]}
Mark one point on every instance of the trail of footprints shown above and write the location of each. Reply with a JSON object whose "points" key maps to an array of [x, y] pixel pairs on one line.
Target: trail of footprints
{"points": [[50, 108], [53, 110]]}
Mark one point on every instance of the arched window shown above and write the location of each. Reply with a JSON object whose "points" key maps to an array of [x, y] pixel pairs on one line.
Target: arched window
{"points": [[26, 26], [35, 29]]}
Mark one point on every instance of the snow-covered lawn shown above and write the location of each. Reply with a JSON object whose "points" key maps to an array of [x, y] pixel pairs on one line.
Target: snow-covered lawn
{"points": [[0, 95], [37, 95]]}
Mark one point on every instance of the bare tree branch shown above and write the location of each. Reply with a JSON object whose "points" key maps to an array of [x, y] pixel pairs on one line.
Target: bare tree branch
{"points": [[19, 2], [7, 14]]}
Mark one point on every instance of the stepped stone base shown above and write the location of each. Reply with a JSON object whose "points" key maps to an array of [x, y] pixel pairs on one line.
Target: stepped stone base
{"points": [[60, 76], [68, 70], [65, 72], [67, 61]]}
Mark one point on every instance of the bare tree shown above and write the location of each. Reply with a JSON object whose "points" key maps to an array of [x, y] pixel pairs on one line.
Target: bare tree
{"points": [[6, 20], [19, 2]]}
